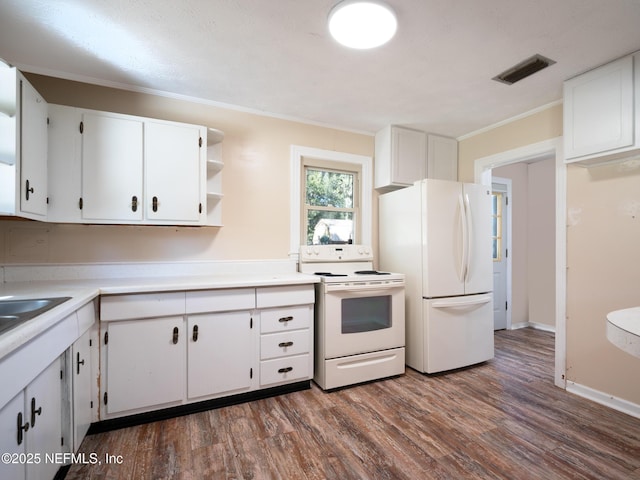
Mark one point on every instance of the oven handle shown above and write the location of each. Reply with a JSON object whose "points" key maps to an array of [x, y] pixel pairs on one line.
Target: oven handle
{"points": [[368, 289]]}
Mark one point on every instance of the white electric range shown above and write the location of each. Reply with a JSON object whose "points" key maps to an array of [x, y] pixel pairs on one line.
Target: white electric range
{"points": [[359, 316]]}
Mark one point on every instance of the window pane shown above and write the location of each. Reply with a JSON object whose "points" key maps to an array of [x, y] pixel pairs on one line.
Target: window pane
{"points": [[329, 227], [329, 189]]}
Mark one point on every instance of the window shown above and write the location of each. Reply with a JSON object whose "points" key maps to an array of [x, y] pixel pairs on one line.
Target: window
{"points": [[496, 215], [334, 161], [331, 203]]}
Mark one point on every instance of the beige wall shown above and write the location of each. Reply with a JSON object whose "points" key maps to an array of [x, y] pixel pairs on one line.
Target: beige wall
{"points": [[603, 252], [603, 211], [256, 187]]}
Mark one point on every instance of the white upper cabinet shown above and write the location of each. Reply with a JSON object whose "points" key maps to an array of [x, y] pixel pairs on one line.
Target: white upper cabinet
{"points": [[23, 147], [172, 158], [404, 156], [400, 157], [113, 168], [600, 113]]}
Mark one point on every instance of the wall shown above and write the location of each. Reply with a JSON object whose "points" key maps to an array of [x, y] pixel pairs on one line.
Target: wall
{"points": [[603, 236], [603, 208], [255, 184]]}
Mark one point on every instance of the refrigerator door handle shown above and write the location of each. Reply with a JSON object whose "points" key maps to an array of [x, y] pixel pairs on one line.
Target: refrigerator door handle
{"points": [[462, 303], [465, 243], [469, 219]]}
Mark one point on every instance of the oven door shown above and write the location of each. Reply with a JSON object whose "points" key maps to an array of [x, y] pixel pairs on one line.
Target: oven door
{"points": [[363, 318]]}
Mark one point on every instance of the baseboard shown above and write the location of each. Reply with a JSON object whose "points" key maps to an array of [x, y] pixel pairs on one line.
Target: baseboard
{"points": [[537, 326], [605, 399]]}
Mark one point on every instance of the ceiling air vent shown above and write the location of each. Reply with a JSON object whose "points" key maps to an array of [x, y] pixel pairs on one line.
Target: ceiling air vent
{"points": [[523, 69]]}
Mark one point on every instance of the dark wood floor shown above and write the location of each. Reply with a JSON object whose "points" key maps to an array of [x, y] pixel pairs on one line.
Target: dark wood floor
{"points": [[501, 420]]}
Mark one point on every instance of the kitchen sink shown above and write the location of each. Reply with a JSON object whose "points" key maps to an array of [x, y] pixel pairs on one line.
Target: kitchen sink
{"points": [[15, 312]]}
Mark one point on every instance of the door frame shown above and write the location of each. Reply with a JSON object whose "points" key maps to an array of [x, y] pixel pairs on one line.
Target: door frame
{"points": [[535, 151], [507, 182]]}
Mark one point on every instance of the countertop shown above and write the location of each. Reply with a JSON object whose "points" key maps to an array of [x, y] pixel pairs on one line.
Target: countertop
{"points": [[623, 329], [83, 291]]}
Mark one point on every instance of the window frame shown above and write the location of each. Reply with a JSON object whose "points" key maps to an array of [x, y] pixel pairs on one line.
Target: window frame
{"points": [[297, 155], [333, 167]]}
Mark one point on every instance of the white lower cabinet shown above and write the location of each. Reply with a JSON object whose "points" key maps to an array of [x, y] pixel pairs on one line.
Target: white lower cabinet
{"points": [[145, 364], [210, 344], [219, 354], [31, 428]]}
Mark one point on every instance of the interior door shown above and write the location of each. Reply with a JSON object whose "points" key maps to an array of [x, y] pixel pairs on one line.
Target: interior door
{"points": [[499, 248]]}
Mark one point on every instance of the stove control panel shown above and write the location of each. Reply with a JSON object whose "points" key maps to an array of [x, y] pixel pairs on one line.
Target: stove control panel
{"points": [[335, 253]]}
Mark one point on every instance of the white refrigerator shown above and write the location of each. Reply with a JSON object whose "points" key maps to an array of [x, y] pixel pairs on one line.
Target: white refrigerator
{"points": [[438, 233]]}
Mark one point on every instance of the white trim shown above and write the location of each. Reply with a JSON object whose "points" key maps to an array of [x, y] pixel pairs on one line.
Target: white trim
{"points": [[177, 96], [605, 399], [546, 148], [366, 190], [509, 120], [507, 183], [534, 325]]}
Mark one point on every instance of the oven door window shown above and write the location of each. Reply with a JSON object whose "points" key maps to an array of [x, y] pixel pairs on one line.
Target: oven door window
{"points": [[366, 314]]}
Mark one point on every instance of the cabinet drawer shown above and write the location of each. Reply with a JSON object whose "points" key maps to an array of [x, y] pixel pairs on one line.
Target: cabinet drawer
{"points": [[288, 295], [286, 369], [275, 345], [126, 307], [285, 319], [221, 300]]}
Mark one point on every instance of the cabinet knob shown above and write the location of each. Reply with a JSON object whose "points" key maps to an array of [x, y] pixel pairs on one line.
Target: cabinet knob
{"points": [[34, 412], [21, 428], [175, 335]]}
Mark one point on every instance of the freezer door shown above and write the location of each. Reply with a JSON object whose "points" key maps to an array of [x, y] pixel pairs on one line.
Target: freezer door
{"points": [[479, 264], [458, 333]]}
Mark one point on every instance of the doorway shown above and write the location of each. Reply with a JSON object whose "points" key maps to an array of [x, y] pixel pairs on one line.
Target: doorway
{"points": [[547, 148]]}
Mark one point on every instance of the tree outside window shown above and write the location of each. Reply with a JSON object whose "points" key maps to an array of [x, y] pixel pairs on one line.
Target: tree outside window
{"points": [[330, 205]]}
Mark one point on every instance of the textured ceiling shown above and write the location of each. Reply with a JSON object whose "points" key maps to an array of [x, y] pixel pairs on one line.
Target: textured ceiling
{"points": [[276, 57]]}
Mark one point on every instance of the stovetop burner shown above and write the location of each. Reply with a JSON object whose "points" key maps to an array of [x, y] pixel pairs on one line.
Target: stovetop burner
{"points": [[329, 274], [371, 272]]}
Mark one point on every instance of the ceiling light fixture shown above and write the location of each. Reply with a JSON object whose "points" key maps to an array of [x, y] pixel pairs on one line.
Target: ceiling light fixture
{"points": [[362, 24]]}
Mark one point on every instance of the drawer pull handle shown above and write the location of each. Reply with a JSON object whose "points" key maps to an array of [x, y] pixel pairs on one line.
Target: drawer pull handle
{"points": [[285, 370], [195, 333], [285, 344], [21, 428], [134, 204], [175, 335], [34, 411], [154, 204], [285, 319]]}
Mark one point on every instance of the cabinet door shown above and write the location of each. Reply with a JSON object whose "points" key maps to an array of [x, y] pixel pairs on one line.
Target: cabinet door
{"points": [[220, 353], [442, 158], [33, 146], [43, 407], [81, 384], [10, 415], [111, 168], [145, 363], [174, 173], [64, 164], [598, 110], [408, 155]]}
